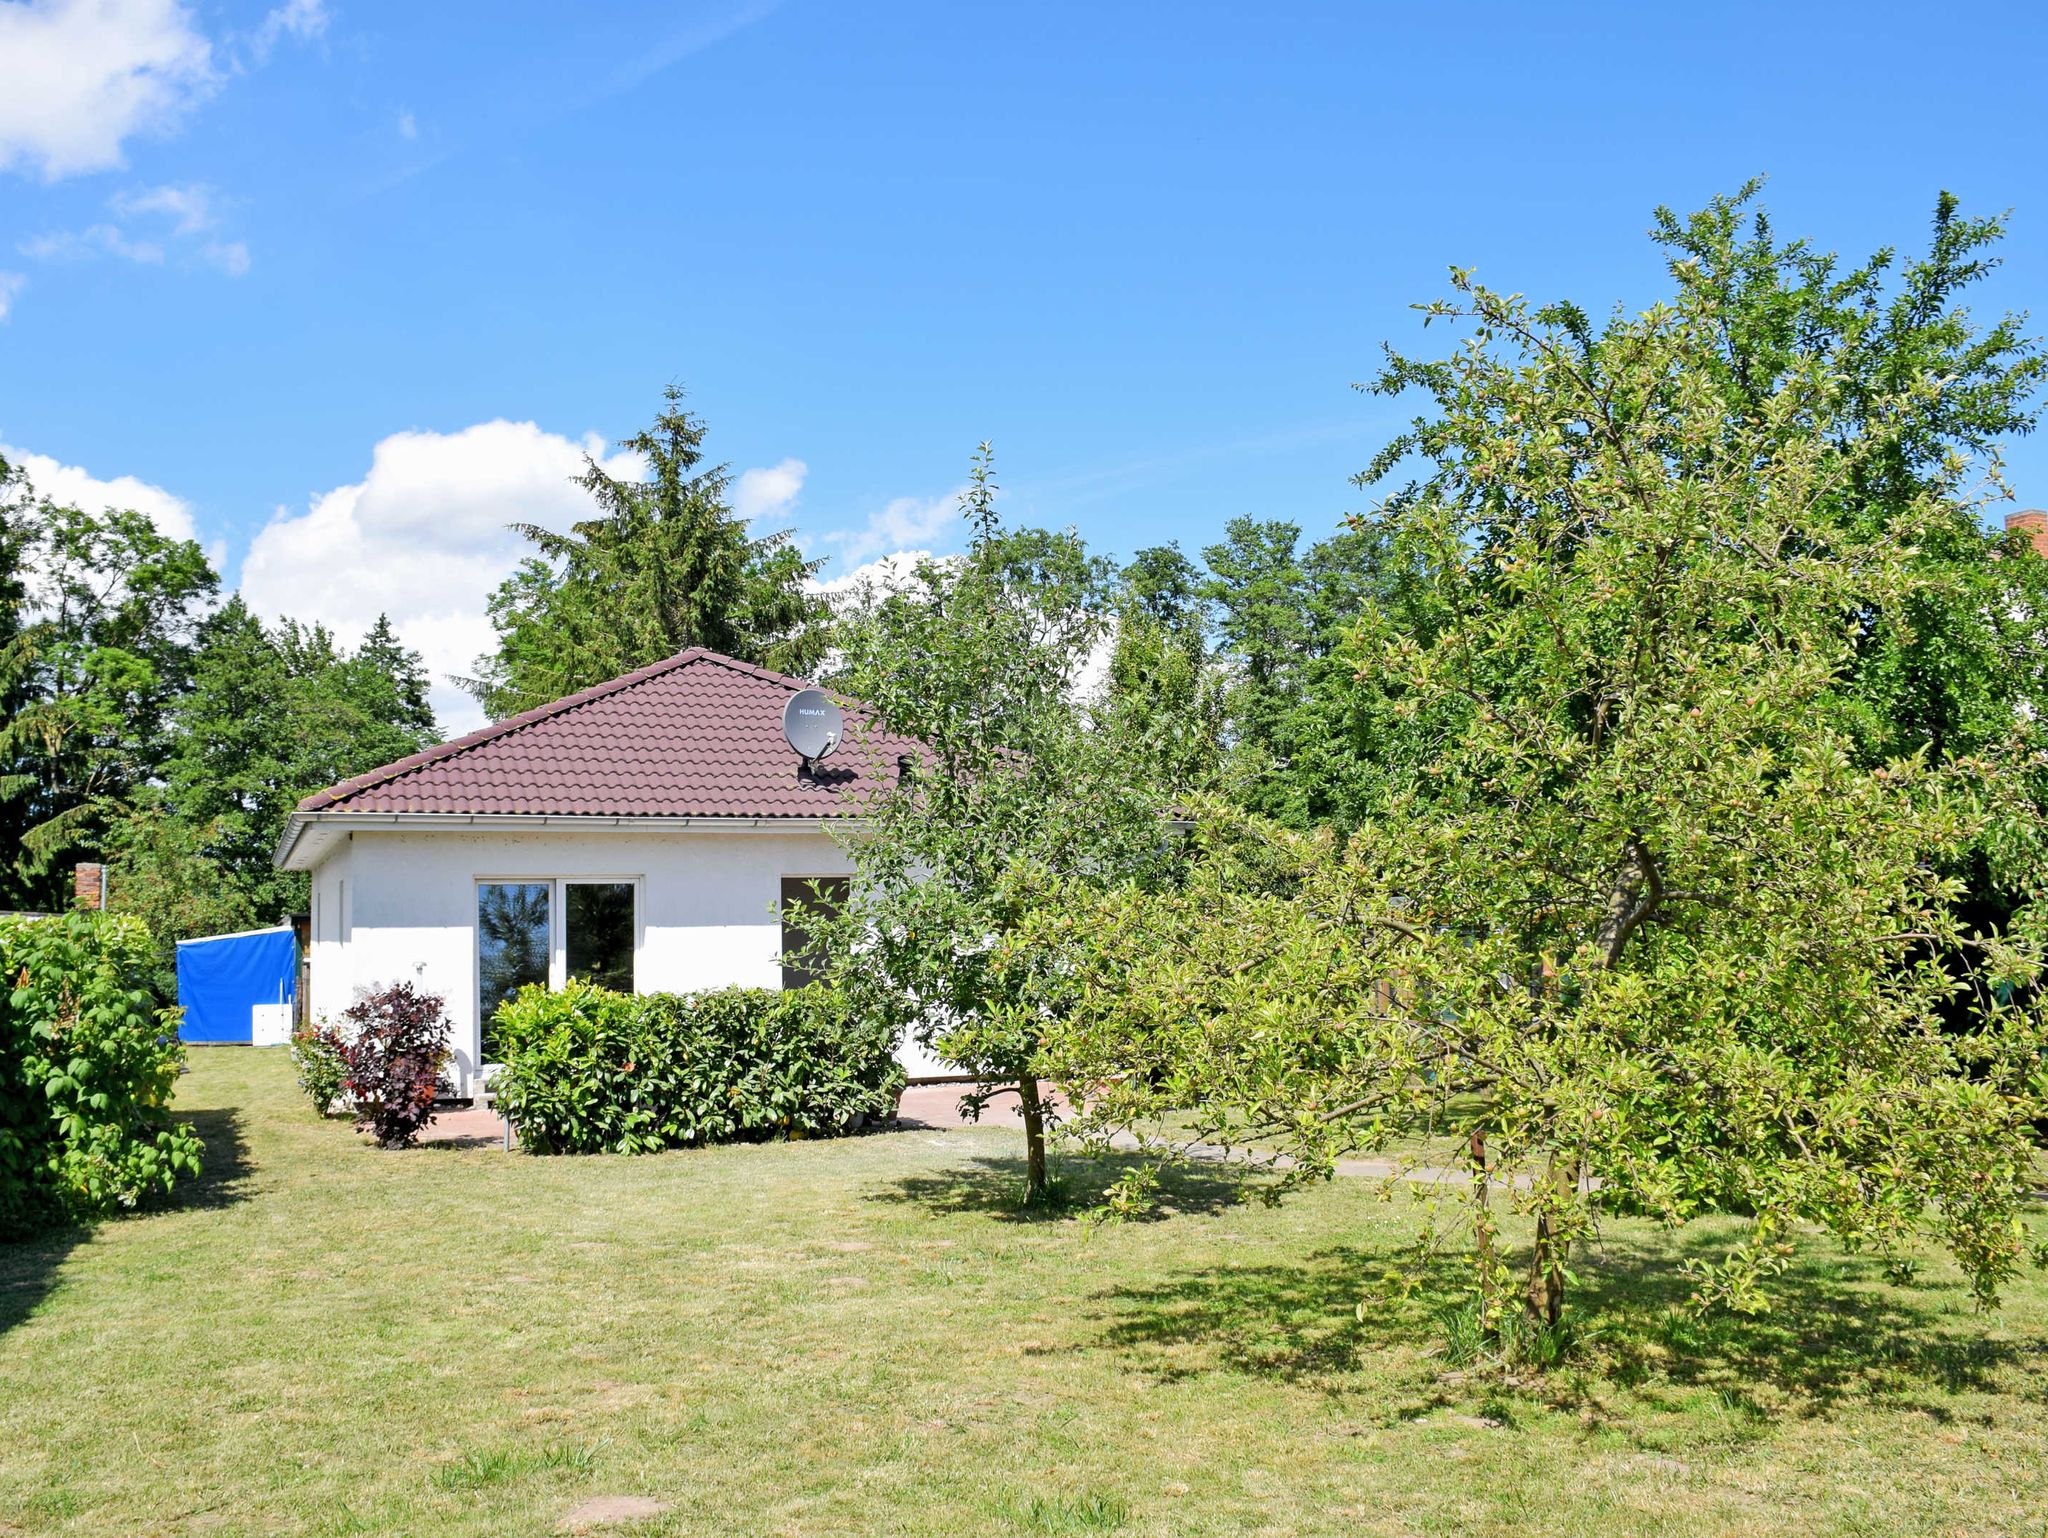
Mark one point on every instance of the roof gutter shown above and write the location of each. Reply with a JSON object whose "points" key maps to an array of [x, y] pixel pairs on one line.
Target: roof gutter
{"points": [[527, 822], [299, 823]]}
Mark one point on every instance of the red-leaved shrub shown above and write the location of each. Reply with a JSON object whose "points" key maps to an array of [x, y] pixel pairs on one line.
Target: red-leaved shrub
{"points": [[396, 1047]]}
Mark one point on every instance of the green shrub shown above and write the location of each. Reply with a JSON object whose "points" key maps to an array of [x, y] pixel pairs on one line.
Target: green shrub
{"points": [[87, 1066], [322, 1065], [584, 1070]]}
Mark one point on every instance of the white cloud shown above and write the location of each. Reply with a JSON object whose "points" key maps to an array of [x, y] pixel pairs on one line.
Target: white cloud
{"points": [[901, 523], [771, 490], [408, 125], [186, 218], [11, 284], [300, 20], [78, 78], [189, 207], [423, 537], [75, 487], [94, 240], [888, 574], [228, 256], [1092, 676]]}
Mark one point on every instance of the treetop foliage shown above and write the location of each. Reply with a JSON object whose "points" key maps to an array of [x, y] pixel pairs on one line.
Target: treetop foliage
{"points": [[102, 610], [664, 565]]}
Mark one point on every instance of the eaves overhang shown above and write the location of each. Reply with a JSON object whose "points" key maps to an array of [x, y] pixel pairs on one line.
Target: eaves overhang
{"points": [[308, 836]]}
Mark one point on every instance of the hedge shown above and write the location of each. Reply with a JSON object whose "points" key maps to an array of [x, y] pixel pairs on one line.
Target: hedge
{"points": [[87, 1066], [586, 1070]]}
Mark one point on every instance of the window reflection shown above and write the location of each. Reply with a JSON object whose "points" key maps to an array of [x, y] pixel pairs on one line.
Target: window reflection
{"points": [[598, 916], [512, 944], [807, 897]]}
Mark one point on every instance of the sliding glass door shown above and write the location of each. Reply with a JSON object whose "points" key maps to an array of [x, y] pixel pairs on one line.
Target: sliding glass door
{"points": [[514, 947], [547, 930]]}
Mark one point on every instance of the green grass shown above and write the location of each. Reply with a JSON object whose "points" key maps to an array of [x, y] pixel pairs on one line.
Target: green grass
{"points": [[867, 1337], [1064, 1514], [501, 1466]]}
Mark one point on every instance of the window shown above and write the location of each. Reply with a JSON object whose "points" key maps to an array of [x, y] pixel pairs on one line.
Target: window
{"points": [[547, 931], [801, 962], [598, 916], [513, 946]]}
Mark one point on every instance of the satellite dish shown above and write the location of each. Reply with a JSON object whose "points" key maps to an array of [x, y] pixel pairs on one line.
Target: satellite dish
{"points": [[812, 725]]}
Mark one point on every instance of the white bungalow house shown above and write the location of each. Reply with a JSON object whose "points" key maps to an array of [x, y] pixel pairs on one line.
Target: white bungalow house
{"points": [[642, 834]]}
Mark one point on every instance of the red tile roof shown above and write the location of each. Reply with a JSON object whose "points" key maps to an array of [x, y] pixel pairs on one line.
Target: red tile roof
{"points": [[699, 735]]}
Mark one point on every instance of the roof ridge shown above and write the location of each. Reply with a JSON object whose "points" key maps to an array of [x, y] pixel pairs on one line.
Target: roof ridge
{"points": [[753, 669], [385, 773]]}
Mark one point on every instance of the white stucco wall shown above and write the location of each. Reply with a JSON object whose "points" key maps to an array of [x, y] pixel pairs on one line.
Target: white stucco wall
{"points": [[328, 990], [401, 907]]}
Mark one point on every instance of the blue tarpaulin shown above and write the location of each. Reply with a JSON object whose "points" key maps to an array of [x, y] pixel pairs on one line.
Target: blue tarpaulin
{"points": [[223, 977]]}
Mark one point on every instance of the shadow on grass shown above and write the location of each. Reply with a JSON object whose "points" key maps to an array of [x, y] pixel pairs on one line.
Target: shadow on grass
{"points": [[1841, 1332], [1839, 1335], [993, 1185], [28, 1270], [224, 1168], [29, 1266], [1282, 1320]]}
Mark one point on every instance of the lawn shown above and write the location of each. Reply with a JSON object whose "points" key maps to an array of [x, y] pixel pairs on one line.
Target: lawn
{"points": [[863, 1337]]}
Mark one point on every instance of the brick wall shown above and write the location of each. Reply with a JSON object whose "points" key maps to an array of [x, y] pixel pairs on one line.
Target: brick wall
{"points": [[2034, 524], [89, 886]]}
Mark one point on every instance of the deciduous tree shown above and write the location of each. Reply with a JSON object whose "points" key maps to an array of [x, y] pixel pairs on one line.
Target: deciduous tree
{"points": [[100, 650], [979, 659], [1648, 925], [1164, 696], [273, 713]]}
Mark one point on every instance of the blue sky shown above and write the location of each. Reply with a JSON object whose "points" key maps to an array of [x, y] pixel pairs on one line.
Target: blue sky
{"points": [[344, 286]]}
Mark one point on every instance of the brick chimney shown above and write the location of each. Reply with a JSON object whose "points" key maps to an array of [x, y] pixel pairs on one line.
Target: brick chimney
{"points": [[89, 886], [2034, 524]]}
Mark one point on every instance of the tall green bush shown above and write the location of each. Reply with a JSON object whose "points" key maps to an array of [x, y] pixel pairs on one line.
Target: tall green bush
{"points": [[320, 1060], [585, 1070], [87, 1065]]}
